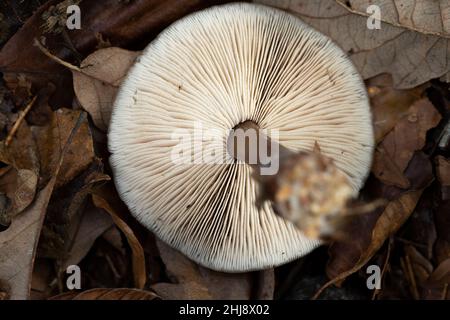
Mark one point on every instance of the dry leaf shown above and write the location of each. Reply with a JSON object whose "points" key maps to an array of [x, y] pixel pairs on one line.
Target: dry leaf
{"points": [[195, 282], [20, 181], [421, 267], [96, 86], [65, 212], [107, 294], [370, 231], [388, 105], [266, 285], [392, 218], [18, 245], [412, 57], [122, 23], [393, 154], [428, 17], [441, 214], [437, 285], [93, 224], [50, 140], [443, 171], [139, 272], [19, 242]]}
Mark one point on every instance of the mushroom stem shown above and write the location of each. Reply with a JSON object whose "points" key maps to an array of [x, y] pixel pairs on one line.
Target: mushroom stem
{"points": [[306, 188]]}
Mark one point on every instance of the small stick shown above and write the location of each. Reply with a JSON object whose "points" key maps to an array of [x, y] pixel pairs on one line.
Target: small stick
{"points": [[45, 51], [19, 121]]}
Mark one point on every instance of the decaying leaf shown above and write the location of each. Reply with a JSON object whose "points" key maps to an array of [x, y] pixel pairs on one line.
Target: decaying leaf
{"points": [[393, 154], [93, 224], [428, 17], [195, 282], [443, 171], [388, 105], [107, 294], [442, 216], [97, 84], [139, 272], [50, 141], [122, 23], [414, 50], [20, 181], [370, 231], [436, 286], [18, 243]]}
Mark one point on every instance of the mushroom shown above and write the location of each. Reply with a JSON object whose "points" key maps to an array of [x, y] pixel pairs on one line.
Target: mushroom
{"points": [[211, 72]]}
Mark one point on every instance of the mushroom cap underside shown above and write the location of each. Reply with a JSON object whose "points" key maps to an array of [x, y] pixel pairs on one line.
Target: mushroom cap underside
{"points": [[215, 69]]}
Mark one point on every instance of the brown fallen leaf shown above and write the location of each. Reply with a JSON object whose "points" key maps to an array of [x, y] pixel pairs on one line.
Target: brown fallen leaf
{"points": [[96, 86], [18, 243], [107, 294], [370, 231], [393, 154], [441, 215], [427, 17], [138, 257], [412, 56], [195, 282], [20, 181], [421, 267], [93, 224], [265, 285], [122, 23], [437, 285], [65, 213], [443, 171], [392, 218], [388, 105], [50, 140]]}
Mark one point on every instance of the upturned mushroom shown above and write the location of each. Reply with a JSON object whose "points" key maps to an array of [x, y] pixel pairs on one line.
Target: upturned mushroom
{"points": [[215, 70]]}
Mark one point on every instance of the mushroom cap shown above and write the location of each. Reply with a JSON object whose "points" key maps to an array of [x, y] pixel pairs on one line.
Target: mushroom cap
{"points": [[220, 67]]}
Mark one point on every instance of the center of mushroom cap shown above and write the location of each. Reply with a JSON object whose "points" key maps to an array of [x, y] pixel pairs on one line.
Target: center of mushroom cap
{"points": [[243, 142]]}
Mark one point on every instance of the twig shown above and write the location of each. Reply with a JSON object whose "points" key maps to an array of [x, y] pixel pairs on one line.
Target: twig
{"points": [[66, 64], [19, 121], [45, 51]]}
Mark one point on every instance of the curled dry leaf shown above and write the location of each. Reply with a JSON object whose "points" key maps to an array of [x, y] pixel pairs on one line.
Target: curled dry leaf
{"points": [[393, 154], [195, 282], [138, 257], [107, 294], [411, 50], [96, 86], [18, 243]]}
